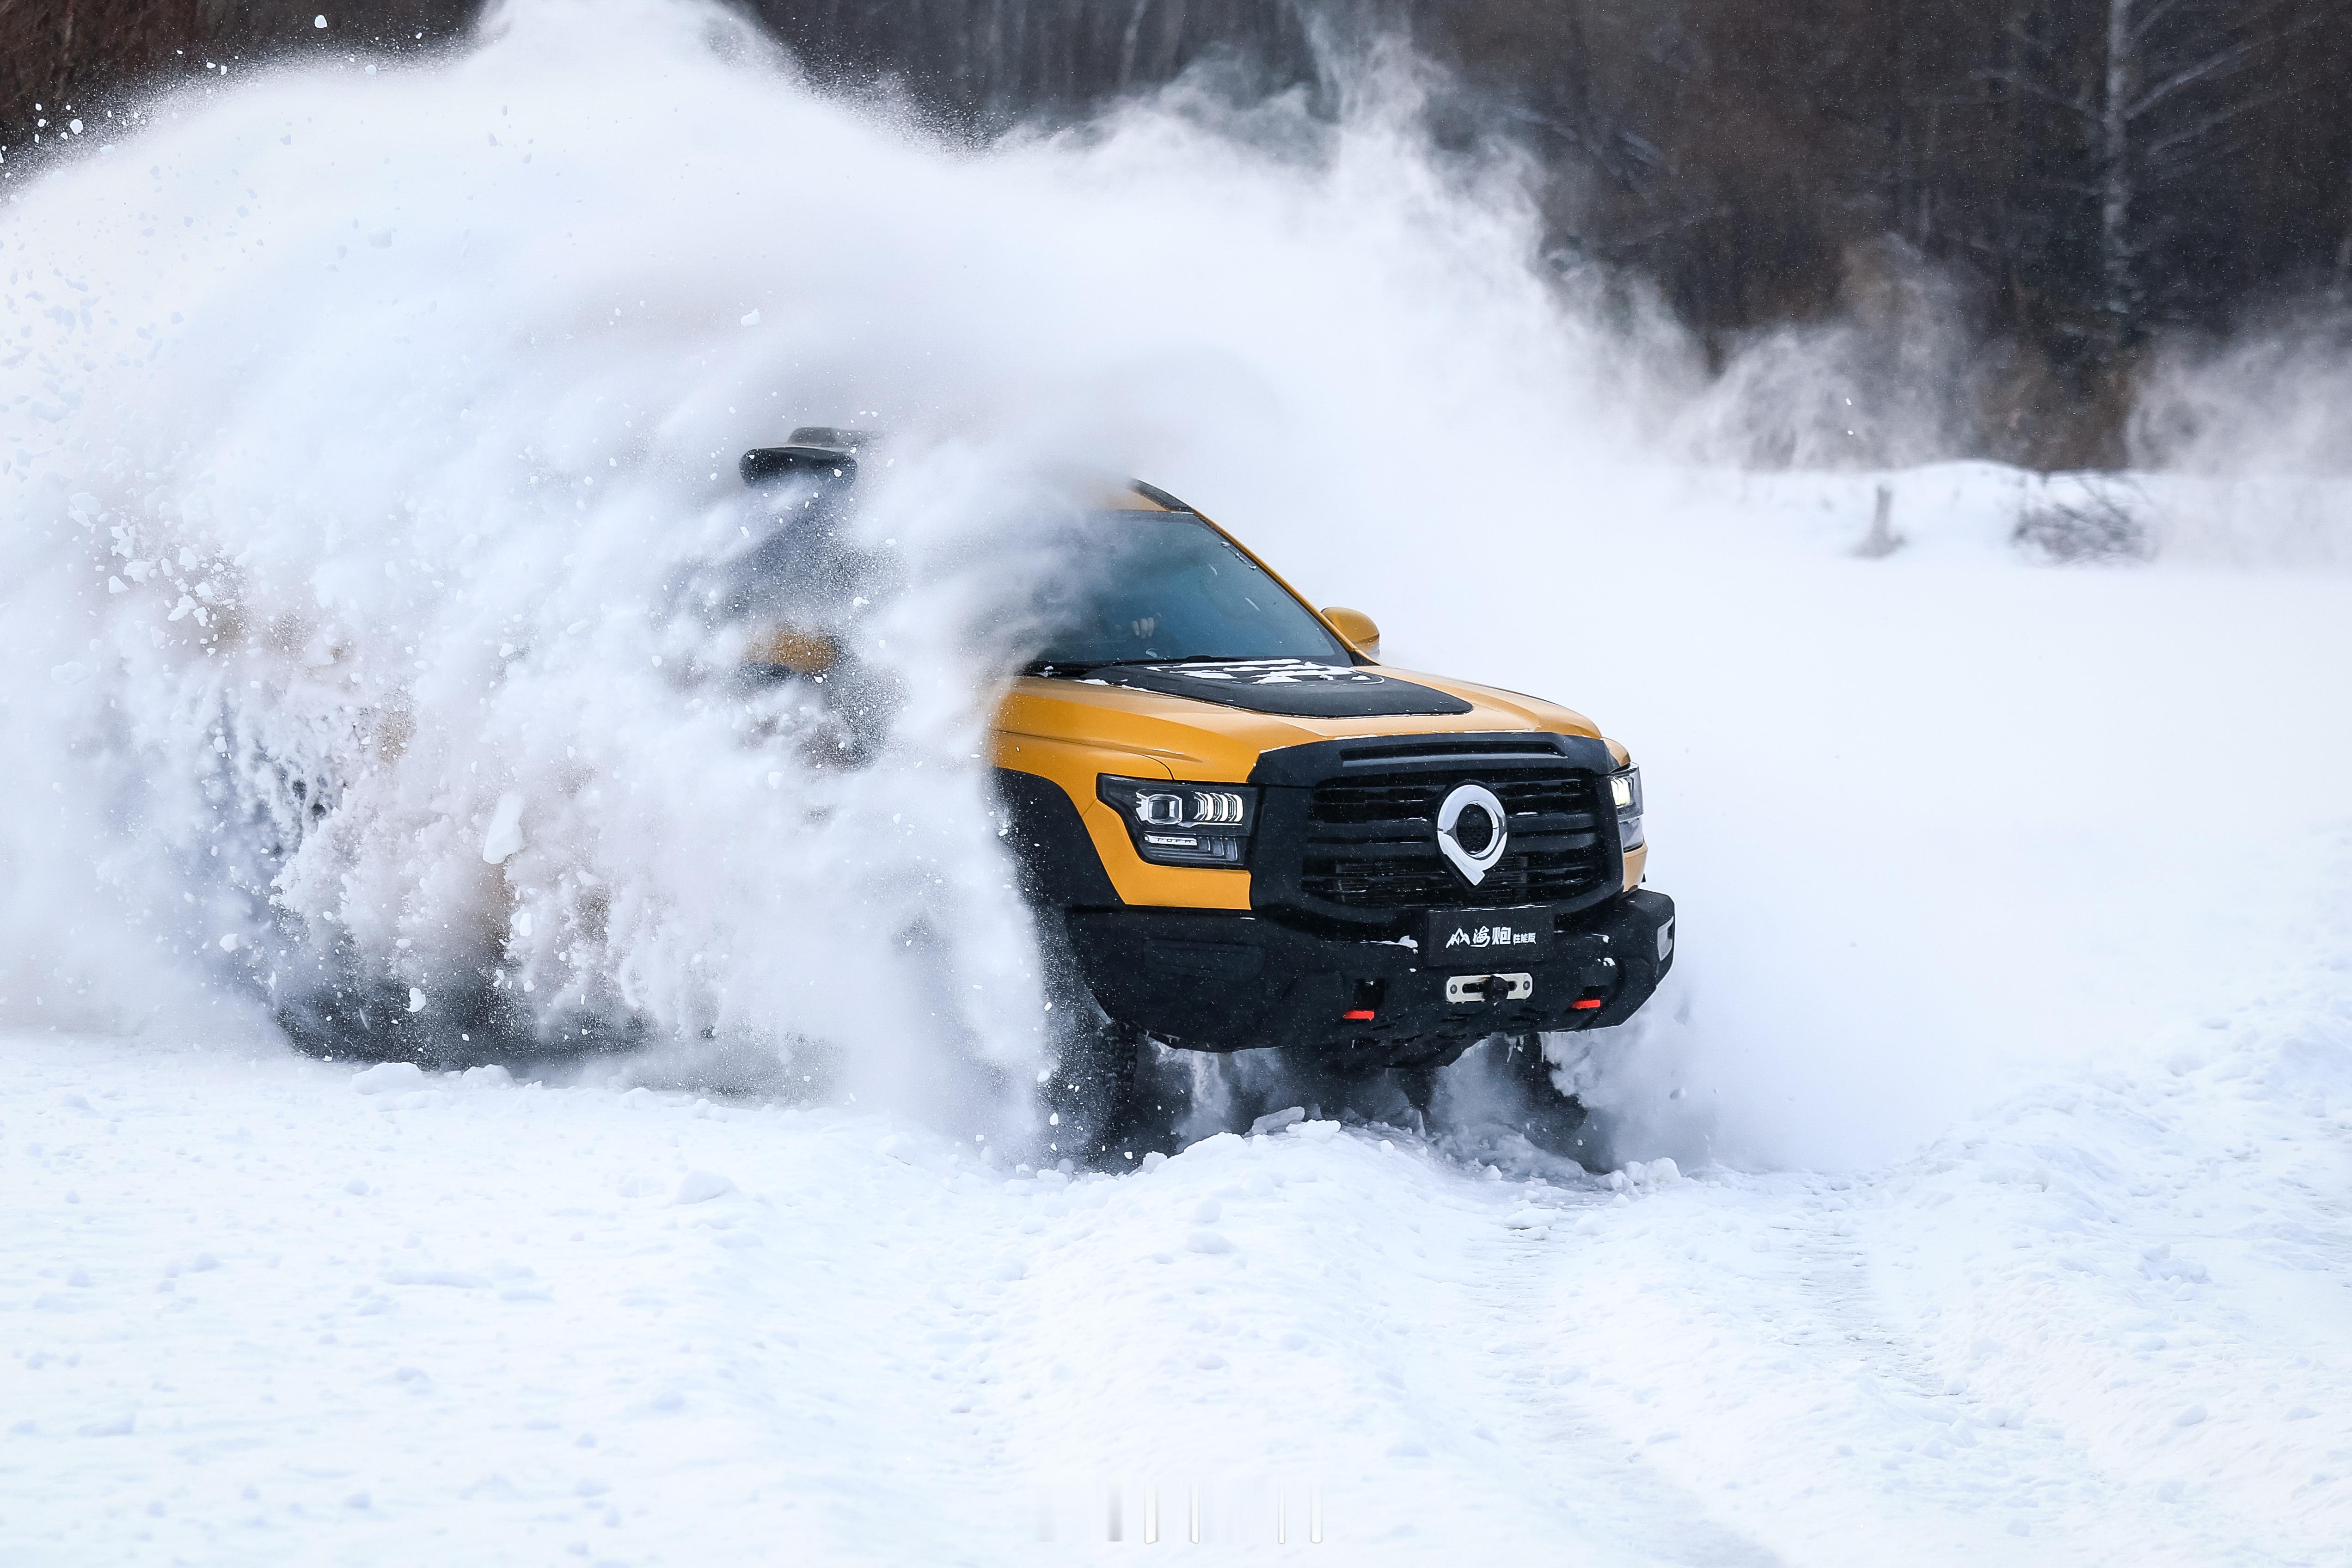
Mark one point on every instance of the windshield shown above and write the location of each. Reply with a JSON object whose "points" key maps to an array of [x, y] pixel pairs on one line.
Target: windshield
{"points": [[1152, 586]]}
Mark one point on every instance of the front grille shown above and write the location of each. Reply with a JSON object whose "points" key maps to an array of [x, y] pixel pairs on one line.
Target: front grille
{"points": [[1371, 841]]}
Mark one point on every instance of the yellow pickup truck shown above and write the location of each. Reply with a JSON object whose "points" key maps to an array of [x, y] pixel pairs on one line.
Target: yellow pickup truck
{"points": [[1241, 831]]}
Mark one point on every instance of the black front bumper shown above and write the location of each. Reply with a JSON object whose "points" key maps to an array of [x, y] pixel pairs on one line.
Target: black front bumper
{"points": [[1238, 981]]}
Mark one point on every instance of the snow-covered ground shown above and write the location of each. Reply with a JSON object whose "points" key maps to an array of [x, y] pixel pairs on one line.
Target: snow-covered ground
{"points": [[2082, 1296], [1983, 1173], [261, 1311]]}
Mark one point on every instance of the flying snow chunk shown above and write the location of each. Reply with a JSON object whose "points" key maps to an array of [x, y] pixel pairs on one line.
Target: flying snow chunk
{"points": [[505, 830], [229, 942], [415, 1000], [753, 319], [318, 21], [386, 1076], [701, 1186], [69, 673]]}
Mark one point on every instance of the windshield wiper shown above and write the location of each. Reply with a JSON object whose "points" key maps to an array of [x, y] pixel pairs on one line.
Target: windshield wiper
{"points": [[1077, 666], [1080, 667]]}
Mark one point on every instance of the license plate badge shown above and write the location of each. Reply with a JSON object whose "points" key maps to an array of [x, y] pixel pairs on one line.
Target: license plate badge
{"points": [[1486, 939]]}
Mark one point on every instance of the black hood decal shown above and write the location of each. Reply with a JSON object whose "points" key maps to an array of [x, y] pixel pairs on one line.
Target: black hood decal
{"points": [[1296, 688]]}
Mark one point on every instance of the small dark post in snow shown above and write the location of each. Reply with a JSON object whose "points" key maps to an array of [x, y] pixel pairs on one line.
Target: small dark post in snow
{"points": [[1883, 540]]}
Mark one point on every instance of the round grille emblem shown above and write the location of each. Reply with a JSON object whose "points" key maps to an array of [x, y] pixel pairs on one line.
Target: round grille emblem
{"points": [[1471, 831]]}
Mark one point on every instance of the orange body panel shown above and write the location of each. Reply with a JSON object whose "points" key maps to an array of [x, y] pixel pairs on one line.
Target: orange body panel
{"points": [[1073, 732]]}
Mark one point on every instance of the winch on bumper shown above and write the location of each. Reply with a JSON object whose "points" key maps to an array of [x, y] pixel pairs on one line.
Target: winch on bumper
{"points": [[1237, 982]]}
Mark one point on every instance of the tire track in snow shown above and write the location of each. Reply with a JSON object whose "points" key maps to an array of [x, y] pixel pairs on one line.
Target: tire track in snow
{"points": [[1570, 1443], [1750, 1363], [1992, 1350], [1339, 1314]]}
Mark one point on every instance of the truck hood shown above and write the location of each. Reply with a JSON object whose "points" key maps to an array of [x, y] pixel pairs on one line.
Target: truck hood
{"points": [[1206, 741]]}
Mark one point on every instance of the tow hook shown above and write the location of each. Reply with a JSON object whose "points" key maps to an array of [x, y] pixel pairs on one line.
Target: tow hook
{"points": [[1463, 988]]}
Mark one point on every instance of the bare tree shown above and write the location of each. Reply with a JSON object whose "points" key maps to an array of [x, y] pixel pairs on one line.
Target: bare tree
{"points": [[2150, 96]]}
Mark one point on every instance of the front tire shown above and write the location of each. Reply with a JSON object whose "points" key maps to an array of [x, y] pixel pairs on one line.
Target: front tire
{"points": [[1090, 1097], [1113, 1094], [1554, 1123]]}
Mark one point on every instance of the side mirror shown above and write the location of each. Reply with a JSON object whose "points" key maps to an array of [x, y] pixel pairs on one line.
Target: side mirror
{"points": [[765, 464], [1363, 634], [793, 651]]}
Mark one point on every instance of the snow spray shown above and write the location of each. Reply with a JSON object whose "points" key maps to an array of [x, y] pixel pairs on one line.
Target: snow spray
{"points": [[367, 426]]}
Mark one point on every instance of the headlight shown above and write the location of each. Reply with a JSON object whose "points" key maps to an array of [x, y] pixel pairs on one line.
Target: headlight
{"points": [[1183, 824], [1625, 791]]}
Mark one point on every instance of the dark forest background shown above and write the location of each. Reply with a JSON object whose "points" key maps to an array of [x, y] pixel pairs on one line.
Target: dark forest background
{"points": [[2082, 180]]}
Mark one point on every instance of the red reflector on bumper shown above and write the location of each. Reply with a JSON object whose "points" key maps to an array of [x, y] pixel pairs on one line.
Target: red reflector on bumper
{"points": [[1583, 1002], [1364, 1013]]}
